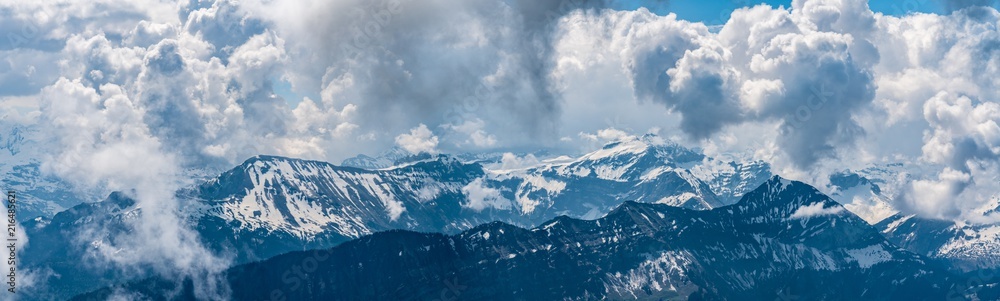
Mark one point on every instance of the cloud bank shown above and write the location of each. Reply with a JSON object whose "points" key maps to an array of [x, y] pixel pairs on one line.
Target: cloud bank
{"points": [[816, 86]]}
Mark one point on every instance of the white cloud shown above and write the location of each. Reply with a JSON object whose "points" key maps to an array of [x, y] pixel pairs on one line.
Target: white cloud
{"points": [[480, 197], [394, 208], [814, 210], [821, 85], [611, 134], [104, 143], [512, 161], [937, 198], [765, 66], [430, 190], [419, 140], [474, 134], [961, 132], [606, 135]]}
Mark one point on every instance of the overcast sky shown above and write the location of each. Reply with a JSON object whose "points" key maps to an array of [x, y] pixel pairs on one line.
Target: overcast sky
{"points": [[810, 86]]}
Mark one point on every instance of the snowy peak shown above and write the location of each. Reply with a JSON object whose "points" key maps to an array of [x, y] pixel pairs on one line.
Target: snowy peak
{"points": [[384, 159], [861, 194], [778, 191], [106, 211], [248, 174], [964, 246], [641, 161], [302, 197], [646, 150], [40, 194], [731, 180], [799, 212], [440, 164], [11, 141], [437, 193], [779, 198]]}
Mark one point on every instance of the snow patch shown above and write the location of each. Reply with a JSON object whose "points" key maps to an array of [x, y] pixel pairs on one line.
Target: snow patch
{"points": [[869, 256], [677, 200], [895, 224], [667, 272]]}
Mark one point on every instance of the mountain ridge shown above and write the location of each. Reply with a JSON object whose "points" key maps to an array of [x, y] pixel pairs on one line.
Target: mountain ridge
{"points": [[271, 205], [660, 252]]}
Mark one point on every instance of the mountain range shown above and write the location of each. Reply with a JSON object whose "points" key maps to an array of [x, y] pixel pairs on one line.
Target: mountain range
{"points": [[39, 193], [268, 206], [271, 205], [784, 239]]}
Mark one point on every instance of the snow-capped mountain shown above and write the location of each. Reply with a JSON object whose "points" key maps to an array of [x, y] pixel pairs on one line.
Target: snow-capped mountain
{"points": [[782, 240], [730, 180], [384, 159], [963, 246], [58, 244], [38, 194], [305, 198], [445, 194], [866, 193], [397, 155], [272, 205]]}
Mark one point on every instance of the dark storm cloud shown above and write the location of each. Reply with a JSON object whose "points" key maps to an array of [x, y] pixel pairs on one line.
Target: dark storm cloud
{"points": [[414, 60]]}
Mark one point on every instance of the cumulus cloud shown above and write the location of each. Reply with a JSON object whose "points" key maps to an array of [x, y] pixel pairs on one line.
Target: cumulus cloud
{"points": [[606, 135], [214, 69], [828, 77], [961, 132], [474, 134], [105, 143], [803, 69], [404, 62], [815, 84], [137, 87], [419, 140], [512, 161], [937, 198], [964, 138]]}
